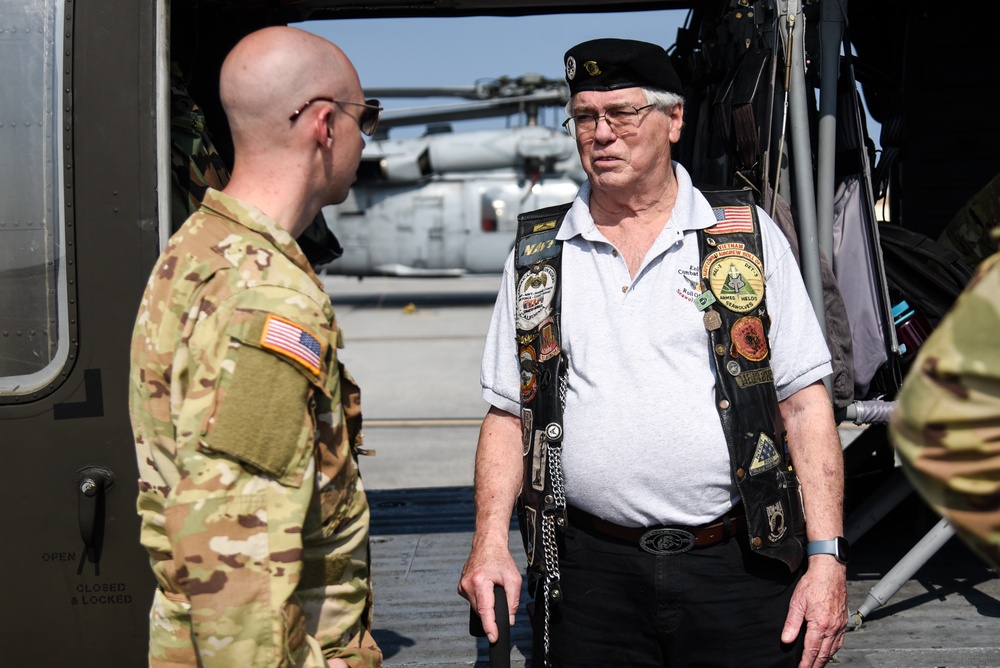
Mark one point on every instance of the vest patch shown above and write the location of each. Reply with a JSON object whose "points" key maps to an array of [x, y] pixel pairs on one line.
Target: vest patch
{"points": [[749, 339], [539, 460], [525, 339], [776, 522], [526, 419], [535, 292], [712, 319], [537, 247], [755, 377], [530, 518], [704, 300], [549, 345], [732, 219], [737, 282], [529, 375], [765, 457]]}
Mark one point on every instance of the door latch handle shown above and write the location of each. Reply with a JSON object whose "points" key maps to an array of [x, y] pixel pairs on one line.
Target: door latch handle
{"points": [[92, 483]]}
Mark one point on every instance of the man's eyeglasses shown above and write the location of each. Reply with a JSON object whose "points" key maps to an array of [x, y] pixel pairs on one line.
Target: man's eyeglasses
{"points": [[621, 120], [371, 110]]}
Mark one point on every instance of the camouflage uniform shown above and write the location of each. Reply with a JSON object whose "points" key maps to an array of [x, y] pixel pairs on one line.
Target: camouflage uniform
{"points": [[968, 232], [247, 432], [194, 163], [946, 425]]}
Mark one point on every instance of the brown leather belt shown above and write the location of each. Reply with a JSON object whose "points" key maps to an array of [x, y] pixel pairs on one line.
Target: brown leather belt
{"points": [[663, 540]]}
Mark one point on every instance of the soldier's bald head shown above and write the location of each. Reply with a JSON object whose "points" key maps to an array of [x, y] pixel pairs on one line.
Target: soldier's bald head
{"points": [[272, 72]]}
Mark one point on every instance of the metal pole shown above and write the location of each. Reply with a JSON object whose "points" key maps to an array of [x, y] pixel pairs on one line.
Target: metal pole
{"points": [[830, 36], [805, 199], [886, 588]]}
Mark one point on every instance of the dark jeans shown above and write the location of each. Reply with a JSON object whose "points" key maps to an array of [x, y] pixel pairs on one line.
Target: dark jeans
{"points": [[719, 606]]}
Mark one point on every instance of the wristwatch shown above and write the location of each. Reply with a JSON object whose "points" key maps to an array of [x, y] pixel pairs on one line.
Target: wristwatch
{"points": [[838, 547]]}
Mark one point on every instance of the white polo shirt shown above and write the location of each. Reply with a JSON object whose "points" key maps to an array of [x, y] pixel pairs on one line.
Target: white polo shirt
{"points": [[642, 441]]}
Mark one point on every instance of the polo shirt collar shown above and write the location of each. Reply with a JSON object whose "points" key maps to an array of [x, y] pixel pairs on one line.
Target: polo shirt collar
{"points": [[691, 212]]}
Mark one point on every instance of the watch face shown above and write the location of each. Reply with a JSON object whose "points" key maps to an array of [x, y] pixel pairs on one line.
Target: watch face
{"points": [[843, 549]]}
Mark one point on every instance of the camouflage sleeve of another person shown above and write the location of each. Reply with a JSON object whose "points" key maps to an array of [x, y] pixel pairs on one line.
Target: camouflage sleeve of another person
{"points": [[246, 457], [946, 424]]}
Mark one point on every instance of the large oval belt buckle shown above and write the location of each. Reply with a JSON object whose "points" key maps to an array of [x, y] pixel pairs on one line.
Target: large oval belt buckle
{"points": [[666, 541]]}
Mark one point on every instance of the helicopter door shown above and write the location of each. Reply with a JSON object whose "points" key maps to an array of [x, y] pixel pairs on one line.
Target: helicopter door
{"points": [[78, 236], [428, 227]]}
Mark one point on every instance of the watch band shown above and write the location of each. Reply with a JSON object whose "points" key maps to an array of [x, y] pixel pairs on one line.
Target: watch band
{"points": [[837, 547]]}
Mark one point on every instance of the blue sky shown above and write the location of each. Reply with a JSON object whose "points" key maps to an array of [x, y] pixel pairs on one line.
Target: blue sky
{"points": [[460, 51]]}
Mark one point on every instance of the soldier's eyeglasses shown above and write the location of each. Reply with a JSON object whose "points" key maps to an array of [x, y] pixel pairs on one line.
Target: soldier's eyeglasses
{"points": [[621, 120], [368, 120]]}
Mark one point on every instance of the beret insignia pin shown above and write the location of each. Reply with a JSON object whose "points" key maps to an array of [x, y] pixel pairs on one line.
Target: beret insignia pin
{"points": [[571, 68]]}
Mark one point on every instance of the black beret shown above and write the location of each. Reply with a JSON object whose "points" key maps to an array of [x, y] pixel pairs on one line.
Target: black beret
{"points": [[610, 64]]}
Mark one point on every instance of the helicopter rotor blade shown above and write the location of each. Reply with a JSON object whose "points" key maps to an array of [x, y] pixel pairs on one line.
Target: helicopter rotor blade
{"points": [[471, 110], [466, 92], [484, 89]]}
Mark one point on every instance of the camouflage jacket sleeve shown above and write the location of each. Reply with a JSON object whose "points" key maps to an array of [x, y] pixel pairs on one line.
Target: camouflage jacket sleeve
{"points": [[244, 518], [946, 425]]}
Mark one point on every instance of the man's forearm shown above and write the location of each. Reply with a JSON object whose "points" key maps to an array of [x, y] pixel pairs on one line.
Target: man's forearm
{"points": [[498, 474], [818, 459]]}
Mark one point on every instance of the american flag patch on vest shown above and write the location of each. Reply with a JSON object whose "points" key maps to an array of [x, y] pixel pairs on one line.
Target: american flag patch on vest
{"points": [[286, 338], [732, 219]]}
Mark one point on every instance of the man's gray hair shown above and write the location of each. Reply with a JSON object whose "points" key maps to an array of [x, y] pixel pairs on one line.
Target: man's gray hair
{"points": [[662, 99]]}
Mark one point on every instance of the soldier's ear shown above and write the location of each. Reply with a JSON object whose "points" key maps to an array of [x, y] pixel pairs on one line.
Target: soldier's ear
{"points": [[324, 127]]}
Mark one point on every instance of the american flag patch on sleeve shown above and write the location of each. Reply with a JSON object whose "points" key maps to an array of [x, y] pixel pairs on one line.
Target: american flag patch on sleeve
{"points": [[286, 338], [732, 219]]}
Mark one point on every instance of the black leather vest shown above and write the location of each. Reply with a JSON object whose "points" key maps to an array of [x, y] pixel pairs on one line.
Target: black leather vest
{"points": [[537, 314], [734, 307]]}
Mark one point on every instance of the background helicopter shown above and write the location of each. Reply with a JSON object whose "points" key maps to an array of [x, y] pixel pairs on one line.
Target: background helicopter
{"points": [[446, 202]]}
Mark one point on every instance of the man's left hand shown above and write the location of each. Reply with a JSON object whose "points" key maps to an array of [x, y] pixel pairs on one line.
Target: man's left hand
{"points": [[819, 600]]}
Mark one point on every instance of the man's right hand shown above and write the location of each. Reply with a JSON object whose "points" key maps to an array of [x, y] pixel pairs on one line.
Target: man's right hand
{"points": [[490, 565]]}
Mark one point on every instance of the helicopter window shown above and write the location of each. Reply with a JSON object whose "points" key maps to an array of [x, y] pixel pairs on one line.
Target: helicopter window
{"points": [[33, 319], [493, 208]]}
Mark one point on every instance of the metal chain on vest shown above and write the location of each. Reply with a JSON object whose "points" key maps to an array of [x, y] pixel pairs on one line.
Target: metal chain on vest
{"points": [[549, 547]]}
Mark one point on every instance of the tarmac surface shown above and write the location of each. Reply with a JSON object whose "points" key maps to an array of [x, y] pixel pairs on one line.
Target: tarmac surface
{"points": [[414, 346]]}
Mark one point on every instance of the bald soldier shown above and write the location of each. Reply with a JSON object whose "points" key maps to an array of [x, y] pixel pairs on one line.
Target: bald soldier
{"points": [[946, 424], [246, 425]]}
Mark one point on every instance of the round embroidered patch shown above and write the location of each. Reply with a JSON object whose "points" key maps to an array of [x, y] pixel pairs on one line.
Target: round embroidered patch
{"points": [[737, 283], [749, 339]]}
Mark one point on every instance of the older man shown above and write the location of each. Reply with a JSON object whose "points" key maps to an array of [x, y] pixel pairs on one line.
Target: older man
{"points": [[246, 426], [649, 402]]}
